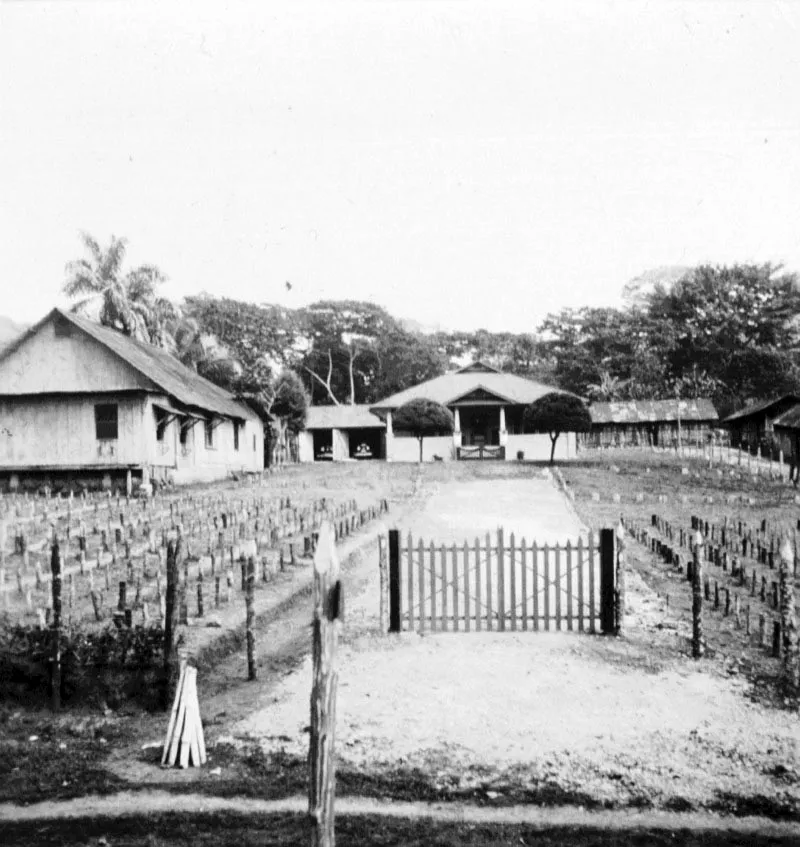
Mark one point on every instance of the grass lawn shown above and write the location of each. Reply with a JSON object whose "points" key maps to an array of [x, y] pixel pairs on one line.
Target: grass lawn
{"points": [[205, 830]]}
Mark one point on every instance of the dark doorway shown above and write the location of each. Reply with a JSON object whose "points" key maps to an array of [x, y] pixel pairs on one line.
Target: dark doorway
{"points": [[323, 445], [366, 443]]}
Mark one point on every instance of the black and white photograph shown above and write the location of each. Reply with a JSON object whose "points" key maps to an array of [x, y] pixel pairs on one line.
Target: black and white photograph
{"points": [[399, 423]]}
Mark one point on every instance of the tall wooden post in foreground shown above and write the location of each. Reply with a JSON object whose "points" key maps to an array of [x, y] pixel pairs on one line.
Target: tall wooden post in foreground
{"points": [[328, 608], [608, 588], [383, 566], [55, 670], [250, 620], [620, 610], [791, 660], [394, 580], [697, 598], [171, 622]]}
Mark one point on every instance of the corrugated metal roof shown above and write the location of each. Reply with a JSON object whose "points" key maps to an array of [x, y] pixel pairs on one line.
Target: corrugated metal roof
{"points": [[164, 370], [789, 419], [450, 387], [650, 411], [342, 417], [764, 406]]}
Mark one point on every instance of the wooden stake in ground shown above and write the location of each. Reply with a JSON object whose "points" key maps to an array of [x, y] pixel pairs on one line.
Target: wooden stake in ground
{"points": [[251, 617], [791, 663], [328, 609], [171, 621], [55, 671], [697, 598]]}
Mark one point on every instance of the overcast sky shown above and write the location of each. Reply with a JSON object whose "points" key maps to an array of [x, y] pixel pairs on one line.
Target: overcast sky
{"points": [[464, 164]]}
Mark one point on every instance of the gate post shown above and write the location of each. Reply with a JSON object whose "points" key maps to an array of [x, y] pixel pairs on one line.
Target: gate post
{"points": [[394, 580], [607, 582]]}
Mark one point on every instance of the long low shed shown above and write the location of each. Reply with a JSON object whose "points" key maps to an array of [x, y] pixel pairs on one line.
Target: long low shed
{"points": [[659, 423]]}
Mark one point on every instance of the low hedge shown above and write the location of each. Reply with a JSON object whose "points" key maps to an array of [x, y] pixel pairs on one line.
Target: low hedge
{"points": [[109, 665]]}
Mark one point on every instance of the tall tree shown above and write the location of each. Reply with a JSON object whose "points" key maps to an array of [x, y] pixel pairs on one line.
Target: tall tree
{"points": [[126, 301], [287, 402], [720, 313], [341, 358], [556, 413], [263, 339]]}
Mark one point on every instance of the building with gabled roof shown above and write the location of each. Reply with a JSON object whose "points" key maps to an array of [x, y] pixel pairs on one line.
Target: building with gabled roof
{"points": [[650, 422], [487, 406], [336, 433], [81, 401], [754, 425]]}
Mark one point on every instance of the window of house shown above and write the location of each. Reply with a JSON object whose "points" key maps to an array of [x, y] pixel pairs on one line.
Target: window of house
{"points": [[184, 432], [208, 425], [236, 435], [161, 423], [106, 421], [254, 443]]}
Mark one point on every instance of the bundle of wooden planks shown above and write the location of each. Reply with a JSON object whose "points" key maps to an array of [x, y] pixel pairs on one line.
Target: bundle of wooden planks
{"points": [[184, 744]]}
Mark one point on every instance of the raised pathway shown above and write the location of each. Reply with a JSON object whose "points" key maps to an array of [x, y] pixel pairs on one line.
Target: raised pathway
{"points": [[163, 802]]}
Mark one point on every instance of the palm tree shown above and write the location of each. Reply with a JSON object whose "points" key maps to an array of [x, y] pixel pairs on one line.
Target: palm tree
{"points": [[127, 302], [609, 387]]}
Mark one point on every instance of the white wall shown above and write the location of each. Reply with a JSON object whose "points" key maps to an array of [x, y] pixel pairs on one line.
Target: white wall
{"points": [[405, 449], [60, 432], [201, 463], [49, 363], [46, 432], [341, 445], [537, 447], [305, 446]]}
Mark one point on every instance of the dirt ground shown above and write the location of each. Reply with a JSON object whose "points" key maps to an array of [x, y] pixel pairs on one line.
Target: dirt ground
{"points": [[630, 721], [494, 718]]}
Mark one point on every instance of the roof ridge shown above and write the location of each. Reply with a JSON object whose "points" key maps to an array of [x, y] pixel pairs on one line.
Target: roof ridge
{"points": [[116, 342]]}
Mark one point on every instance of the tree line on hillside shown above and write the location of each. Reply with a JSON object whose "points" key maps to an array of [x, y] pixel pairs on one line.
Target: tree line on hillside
{"points": [[728, 333]]}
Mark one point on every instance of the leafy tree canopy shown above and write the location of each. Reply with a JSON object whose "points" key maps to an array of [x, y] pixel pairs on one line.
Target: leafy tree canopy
{"points": [[555, 413], [423, 418]]}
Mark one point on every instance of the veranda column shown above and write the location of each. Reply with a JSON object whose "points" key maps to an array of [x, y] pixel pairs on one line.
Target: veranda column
{"points": [[503, 431], [389, 437], [456, 428]]}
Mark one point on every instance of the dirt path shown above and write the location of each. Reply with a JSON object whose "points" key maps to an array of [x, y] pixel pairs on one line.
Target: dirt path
{"points": [[626, 722], [156, 802]]}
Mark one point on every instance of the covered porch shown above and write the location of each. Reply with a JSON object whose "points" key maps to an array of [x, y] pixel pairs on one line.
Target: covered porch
{"points": [[481, 428]]}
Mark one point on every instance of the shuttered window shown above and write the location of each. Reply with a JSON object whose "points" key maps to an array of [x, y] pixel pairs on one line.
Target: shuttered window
{"points": [[106, 421]]}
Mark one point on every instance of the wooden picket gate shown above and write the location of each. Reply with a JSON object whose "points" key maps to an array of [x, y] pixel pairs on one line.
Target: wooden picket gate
{"points": [[502, 586]]}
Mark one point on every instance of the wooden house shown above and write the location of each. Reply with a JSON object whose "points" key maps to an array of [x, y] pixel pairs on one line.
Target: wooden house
{"points": [[753, 426], [787, 431], [81, 402], [487, 407], [338, 433], [639, 423]]}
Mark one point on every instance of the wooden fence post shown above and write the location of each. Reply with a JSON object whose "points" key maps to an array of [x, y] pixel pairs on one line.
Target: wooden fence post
{"points": [[620, 597], [171, 622], [697, 598], [251, 618], [383, 567], [608, 567], [394, 580], [791, 665], [328, 607], [55, 670]]}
